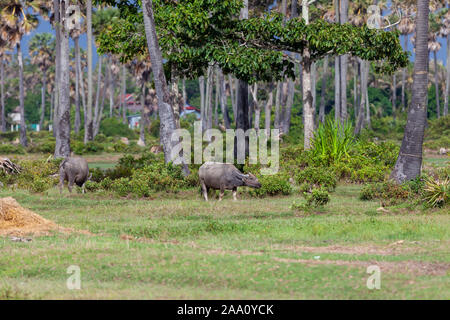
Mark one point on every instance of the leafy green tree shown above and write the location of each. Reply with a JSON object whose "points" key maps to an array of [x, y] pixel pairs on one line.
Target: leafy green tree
{"points": [[194, 34]]}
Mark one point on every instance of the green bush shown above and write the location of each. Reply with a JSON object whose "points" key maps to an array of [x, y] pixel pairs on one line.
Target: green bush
{"points": [[388, 191], [92, 186], [89, 148], [8, 148], [272, 185], [318, 197], [121, 186], [317, 177]]}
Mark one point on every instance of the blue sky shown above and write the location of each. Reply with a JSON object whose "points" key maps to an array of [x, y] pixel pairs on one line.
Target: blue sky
{"points": [[45, 26]]}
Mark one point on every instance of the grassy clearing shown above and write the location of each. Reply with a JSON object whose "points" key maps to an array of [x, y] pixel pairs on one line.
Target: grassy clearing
{"points": [[184, 248]]}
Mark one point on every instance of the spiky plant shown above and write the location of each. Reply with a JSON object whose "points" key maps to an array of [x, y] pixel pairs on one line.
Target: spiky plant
{"points": [[333, 140], [436, 192]]}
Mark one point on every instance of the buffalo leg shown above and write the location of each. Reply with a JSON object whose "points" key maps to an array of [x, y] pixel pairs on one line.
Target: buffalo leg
{"points": [[222, 192], [61, 182], [234, 194], [71, 182], [205, 190]]}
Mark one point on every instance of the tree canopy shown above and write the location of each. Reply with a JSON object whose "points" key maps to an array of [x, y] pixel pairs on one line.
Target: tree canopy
{"points": [[196, 33]]}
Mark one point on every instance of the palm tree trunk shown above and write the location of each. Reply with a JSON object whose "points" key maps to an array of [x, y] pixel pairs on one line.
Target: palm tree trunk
{"points": [[268, 109], [409, 161], [232, 95], [23, 129], [80, 78], [2, 92], [216, 96], [124, 92], [289, 103], [394, 96], [343, 67], [88, 126], [277, 106], [55, 120], [97, 94], [142, 122], [111, 89], [44, 86], [447, 82], [436, 85], [223, 101], [323, 90], [362, 102], [166, 116], [77, 123], [62, 148], [405, 47]]}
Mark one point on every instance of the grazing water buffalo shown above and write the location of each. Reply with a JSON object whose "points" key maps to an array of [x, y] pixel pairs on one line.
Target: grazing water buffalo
{"points": [[74, 170], [224, 176]]}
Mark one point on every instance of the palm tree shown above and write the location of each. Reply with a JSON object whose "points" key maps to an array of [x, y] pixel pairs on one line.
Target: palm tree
{"points": [[166, 116], [62, 147], [88, 125], [445, 32], [406, 27], [42, 52], [16, 22], [4, 59], [409, 160]]}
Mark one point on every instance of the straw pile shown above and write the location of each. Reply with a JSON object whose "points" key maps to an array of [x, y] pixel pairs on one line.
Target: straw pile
{"points": [[18, 221]]}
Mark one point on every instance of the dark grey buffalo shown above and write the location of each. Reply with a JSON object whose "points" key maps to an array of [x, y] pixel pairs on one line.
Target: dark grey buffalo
{"points": [[74, 170], [224, 176]]}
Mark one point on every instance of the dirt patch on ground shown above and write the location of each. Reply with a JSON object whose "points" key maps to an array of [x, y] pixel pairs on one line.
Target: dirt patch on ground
{"points": [[18, 221], [394, 248], [410, 267]]}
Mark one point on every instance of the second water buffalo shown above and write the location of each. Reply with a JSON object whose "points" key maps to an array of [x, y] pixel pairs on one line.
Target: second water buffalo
{"points": [[73, 170], [224, 176]]}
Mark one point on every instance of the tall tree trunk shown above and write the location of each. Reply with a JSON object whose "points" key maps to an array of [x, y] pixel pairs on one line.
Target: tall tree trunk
{"points": [[278, 105], [404, 106], [111, 88], [289, 103], [362, 102], [62, 147], [232, 95], [366, 85], [323, 90], [80, 78], [2, 92], [436, 85], [124, 92], [142, 122], [88, 126], [242, 106], [23, 128], [268, 109], [97, 94], [447, 82], [409, 161], [344, 66], [308, 108], [77, 124], [57, 18], [223, 101], [209, 96], [394, 96], [43, 91], [201, 83], [166, 116]]}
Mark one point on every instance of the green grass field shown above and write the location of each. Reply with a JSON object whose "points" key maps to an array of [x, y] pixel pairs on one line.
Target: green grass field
{"points": [[183, 247]]}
